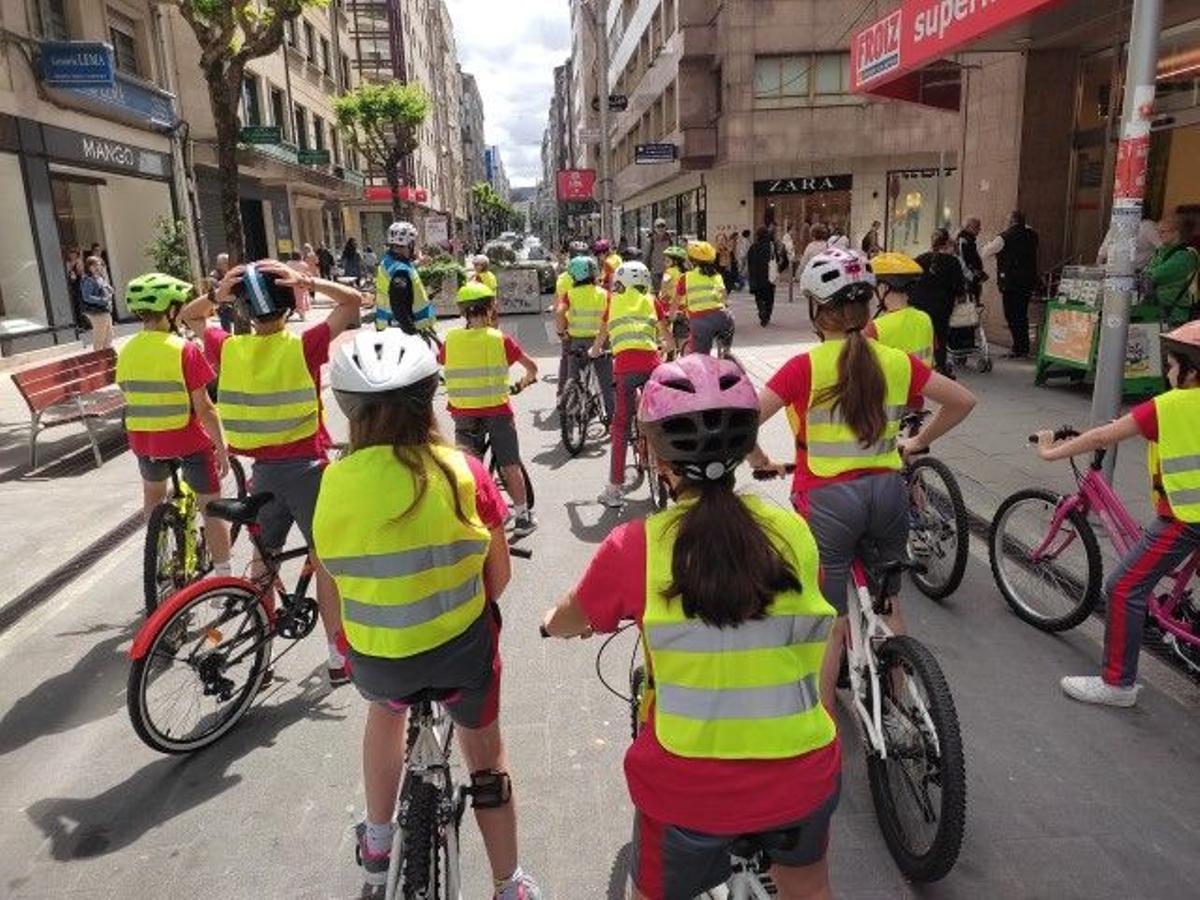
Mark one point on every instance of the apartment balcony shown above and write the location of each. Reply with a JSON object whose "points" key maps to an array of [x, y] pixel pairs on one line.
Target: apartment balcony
{"points": [[698, 30]]}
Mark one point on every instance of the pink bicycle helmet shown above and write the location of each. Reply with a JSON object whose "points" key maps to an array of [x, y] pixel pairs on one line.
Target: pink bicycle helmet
{"points": [[601, 246], [700, 414]]}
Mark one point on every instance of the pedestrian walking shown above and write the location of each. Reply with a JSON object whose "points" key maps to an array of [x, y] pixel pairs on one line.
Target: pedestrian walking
{"points": [[352, 261], [324, 261], [96, 295], [937, 290], [303, 296], [762, 271], [972, 262], [658, 241], [819, 243], [789, 249], [870, 241], [75, 273], [370, 262], [1016, 252], [225, 312], [743, 250], [1169, 280], [725, 263]]}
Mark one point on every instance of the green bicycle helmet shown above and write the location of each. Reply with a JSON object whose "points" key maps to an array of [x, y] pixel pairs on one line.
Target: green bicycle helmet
{"points": [[675, 252], [155, 292]]}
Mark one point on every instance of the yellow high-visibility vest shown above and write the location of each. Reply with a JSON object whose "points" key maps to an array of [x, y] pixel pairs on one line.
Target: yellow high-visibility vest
{"points": [[1177, 451], [266, 395], [585, 310], [704, 292], [476, 369], [632, 322], [410, 577], [423, 312], [150, 375], [670, 283], [908, 329], [749, 692]]}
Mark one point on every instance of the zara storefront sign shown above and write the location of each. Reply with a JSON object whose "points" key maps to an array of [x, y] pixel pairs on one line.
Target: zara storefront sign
{"points": [[809, 184], [94, 152]]}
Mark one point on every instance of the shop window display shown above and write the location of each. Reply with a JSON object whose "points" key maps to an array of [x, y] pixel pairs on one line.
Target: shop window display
{"points": [[912, 214], [22, 301]]}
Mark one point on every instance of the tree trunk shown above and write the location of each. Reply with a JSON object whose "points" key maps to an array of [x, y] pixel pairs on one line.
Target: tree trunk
{"points": [[224, 102], [393, 180]]}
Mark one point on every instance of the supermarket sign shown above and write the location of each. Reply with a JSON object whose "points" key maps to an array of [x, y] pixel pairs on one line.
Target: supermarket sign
{"points": [[921, 31]]}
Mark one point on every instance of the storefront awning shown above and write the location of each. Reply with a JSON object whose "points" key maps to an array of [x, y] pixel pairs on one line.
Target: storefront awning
{"points": [[903, 55]]}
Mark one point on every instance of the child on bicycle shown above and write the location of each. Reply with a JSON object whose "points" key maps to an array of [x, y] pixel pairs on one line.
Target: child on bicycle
{"points": [[1171, 424], [724, 589], [477, 358], [269, 394], [420, 567], [635, 324], [578, 315], [701, 293], [168, 412], [844, 401], [898, 324]]}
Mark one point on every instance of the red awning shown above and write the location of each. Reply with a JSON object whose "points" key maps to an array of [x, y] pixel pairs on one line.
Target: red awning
{"points": [[902, 55]]}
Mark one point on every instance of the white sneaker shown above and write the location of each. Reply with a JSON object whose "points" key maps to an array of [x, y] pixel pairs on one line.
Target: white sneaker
{"points": [[1094, 689], [612, 496]]}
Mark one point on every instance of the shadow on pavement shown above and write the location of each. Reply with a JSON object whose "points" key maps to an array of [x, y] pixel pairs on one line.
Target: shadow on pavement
{"points": [[82, 827], [598, 531], [91, 689], [67, 456]]}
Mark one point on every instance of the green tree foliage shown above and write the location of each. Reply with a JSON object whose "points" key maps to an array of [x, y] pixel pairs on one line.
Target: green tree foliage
{"points": [[493, 211], [168, 249]]}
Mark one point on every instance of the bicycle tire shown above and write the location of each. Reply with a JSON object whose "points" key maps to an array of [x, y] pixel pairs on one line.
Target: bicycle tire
{"points": [[637, 681], [148, 729], [639, 450], [573, 421], [618, 875], [1000, 544], [935, 862], [243, 490], [498, 476], [419, 823], [165, 524], [962, 532]]}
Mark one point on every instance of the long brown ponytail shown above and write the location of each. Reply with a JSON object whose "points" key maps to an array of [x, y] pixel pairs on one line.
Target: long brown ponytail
{"points": [[860, 391]]}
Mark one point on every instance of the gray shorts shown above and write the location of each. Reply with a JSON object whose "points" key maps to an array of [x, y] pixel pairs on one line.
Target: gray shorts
{"points": [[866, 517], [199, 470], [468, 664], [295, 484], [676, 863], [501, 432], [706, 328]]}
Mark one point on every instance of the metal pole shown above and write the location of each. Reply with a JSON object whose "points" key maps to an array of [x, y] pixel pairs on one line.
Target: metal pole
{"points": [[1128, 196], [600, 33], [940, 194]]}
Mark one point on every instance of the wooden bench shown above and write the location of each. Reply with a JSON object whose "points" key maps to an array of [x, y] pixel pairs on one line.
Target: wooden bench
{"points": [[78, 388]]}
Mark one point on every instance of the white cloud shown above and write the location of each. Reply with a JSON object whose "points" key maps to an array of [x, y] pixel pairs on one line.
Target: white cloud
{"points": [[512, 49]]}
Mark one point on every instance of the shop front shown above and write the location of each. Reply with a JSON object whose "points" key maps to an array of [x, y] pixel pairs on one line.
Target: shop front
{"points": [[811, 199], [684, 212], [912, 213]]}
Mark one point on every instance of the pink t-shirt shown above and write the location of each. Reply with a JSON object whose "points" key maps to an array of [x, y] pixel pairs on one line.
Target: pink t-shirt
{"points": [[191, 438], [512, 352], [718, 796], [316, 342], [792, 384]]}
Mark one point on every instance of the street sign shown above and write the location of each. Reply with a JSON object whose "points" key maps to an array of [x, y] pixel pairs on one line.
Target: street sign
{"points": [[312, 157], [76, 64], [261, 134], [576, 184], [616, 103], [589, 135], [437, 230], [655, 153]]}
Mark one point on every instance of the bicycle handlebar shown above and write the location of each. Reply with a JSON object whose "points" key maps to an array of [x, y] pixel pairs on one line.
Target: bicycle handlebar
{"points": [[520, 552], [1061, 434], [772, 474]]}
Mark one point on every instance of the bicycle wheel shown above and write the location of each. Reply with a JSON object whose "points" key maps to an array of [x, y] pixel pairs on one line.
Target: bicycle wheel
{"points": [[204, 667], [639, 451], [637, 688], [920, 789], [418, 821], [238, 471], [939, 534], [1058, 590], [573, 422], [164, 557]]}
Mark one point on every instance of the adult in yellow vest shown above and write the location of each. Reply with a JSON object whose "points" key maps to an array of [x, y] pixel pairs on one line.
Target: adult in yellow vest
{"points": [[844, 399], [483, 273], [736, 739], [400, 295], [635, 324], [420, 567], [477, 359], [1170, 423], [168, 413], [701, 294], [898, 324], [269, 395], [578, 316]]}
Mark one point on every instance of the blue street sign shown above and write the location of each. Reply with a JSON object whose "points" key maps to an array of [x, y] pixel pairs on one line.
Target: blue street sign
{"points": [[129, 97], [77, 64]]}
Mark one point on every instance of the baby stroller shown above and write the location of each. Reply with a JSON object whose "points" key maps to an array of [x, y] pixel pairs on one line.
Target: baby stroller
{"points": [[968, 342]]}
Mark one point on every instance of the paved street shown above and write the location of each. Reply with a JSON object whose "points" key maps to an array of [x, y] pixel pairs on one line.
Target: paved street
{"points": [[1064, 801]]}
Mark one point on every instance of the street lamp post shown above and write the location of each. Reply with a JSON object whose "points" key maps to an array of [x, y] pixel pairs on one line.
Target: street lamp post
{"points": [[597, 13]]}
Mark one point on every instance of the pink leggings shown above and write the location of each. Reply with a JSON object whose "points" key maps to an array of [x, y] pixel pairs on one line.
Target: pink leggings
{"points": [[627, 385]]}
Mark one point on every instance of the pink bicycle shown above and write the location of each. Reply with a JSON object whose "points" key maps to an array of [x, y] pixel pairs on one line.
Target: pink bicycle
{"points": [[1046, 558]]}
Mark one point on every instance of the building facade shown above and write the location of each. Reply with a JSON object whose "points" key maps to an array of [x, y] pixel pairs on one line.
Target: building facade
{"points": [[80, 164], [495, 173]]}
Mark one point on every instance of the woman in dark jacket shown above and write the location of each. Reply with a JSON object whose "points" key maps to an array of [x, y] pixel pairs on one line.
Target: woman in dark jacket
{"points": [[758, 266], [941, 285]]}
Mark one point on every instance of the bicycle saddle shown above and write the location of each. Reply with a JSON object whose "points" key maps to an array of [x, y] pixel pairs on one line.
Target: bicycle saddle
{"points": [[749, 846], [429, 695], [243, 512]]}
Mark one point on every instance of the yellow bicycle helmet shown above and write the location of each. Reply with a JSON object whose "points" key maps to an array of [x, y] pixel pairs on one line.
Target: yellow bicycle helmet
{"points": [[701, 251], [896, 270]]}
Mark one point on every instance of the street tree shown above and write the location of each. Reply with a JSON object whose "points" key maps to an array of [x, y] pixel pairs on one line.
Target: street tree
{"points": [[230, 34], [494, 212], [381, 122]]}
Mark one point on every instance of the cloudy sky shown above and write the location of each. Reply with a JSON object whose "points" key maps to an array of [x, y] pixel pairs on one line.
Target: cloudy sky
{"points": [[512, 56]]}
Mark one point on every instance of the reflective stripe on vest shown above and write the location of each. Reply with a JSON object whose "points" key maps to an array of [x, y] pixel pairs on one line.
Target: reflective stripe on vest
{"points": [[669, 283], [150, 376], [1178, 449], [907, 329], [632, 322], [476, 368], [833, 447], [748, 692], [266, 394], [704, 292], [408, 583], [585, 310]]}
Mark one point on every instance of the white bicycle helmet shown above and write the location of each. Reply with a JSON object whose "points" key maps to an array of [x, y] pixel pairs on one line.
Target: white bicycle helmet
{"points": [[380, 362], [403, 234], [838, 276], [632, 275]]}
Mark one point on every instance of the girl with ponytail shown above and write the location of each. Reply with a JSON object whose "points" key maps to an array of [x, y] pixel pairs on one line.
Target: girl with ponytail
{"points": [[844, 400]]}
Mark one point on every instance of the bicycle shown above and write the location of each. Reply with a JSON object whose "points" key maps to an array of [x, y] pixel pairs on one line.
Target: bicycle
{"points": [[939, 531], [645, 463], [1062, 557], [175, 552], [484, 446], [581, 404]]}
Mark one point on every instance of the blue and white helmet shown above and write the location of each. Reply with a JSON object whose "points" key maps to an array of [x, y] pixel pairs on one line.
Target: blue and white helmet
{"points": [[402, 234], [264, 297]]}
